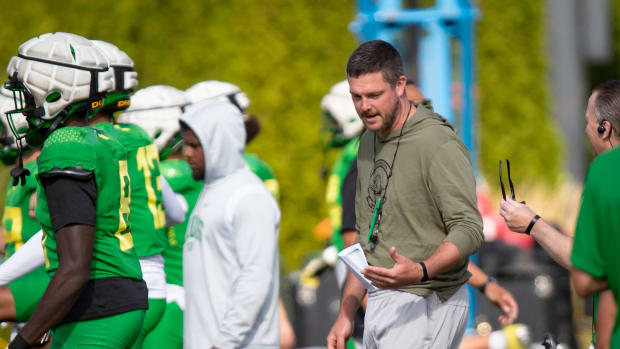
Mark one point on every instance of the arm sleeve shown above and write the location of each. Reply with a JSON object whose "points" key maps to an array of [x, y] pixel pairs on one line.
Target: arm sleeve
{"points": [[173, 207], [255, 222], [586, 254], [79, 207], [24, 260], [453, 187], [348, 198]]}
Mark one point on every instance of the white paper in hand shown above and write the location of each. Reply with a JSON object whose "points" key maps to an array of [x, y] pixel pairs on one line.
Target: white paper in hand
{"points": [[353, 256]]}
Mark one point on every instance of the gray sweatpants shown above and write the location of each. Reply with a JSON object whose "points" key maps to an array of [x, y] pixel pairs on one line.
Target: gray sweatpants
{"points": [[396, 319]]}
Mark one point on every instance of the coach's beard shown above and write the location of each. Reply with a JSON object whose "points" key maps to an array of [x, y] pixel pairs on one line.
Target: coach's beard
{"points": [[389, 122]]}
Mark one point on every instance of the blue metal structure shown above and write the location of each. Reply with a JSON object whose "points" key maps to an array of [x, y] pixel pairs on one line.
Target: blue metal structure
{"points": [[446, 63], [445, 53]]}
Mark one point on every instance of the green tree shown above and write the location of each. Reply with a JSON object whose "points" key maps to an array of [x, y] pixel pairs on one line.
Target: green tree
{"points": [[515, 120], [285, 54]]}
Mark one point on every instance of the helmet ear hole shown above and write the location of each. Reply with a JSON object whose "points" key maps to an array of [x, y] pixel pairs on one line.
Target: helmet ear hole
{"points": [[53, 97]]}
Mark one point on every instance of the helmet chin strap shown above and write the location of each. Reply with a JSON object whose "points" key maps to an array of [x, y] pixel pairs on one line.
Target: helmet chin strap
{"points": [[19, 172]]}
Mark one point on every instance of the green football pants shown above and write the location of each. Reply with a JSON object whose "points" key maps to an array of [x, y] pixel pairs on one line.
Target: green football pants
{"points": [[114, 332]]}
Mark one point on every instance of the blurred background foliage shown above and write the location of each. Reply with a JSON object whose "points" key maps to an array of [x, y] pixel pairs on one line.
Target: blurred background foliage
{"points": [[515, 119], [286, 54]]}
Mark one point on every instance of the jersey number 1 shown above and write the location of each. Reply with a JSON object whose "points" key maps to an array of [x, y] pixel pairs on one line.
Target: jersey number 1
{"points": [[147, 157]]}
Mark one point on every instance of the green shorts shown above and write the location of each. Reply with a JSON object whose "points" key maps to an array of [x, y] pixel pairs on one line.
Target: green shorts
{"points": [[114, 332], [27, 292], [169, 331]]}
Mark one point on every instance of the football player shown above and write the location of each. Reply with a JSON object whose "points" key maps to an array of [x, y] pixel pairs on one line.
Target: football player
{"points": [[148, 218], [156, 109], [96, 296], [20, 297], [225, 91]]}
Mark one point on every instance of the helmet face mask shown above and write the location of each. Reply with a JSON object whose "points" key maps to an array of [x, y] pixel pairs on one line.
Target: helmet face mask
{"points": [[23, 100], [331, 133], [174, 145], [340, 122], [24, 107], [13, 127], [36, 128]]}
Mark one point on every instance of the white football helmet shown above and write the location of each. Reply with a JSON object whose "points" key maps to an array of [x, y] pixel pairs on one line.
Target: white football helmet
{"points": [[157, 109], [58, 70], [55, 75], [340, 118], [218, 90], [125, 78]]}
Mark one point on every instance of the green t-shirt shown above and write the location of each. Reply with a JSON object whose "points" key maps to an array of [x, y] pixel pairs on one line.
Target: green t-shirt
{"points": [[179, 175], [430, 199], [597, 235], [333, 195], [148, 220], [17, 223], [264, 172], [90, 149]]}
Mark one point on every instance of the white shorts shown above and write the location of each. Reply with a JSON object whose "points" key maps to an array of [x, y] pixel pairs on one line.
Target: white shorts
{"points": [[175, 294], [396, 319], [154, 275]]}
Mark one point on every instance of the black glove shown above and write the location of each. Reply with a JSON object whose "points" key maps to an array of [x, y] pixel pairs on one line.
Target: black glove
{"points": [[18, 343]]}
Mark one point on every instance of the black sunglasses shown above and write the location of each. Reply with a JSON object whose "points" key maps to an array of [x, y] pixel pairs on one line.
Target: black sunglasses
{"points": [[501, 181]]}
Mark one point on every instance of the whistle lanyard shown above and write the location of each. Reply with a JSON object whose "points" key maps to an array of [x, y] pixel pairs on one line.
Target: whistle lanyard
{"points": [[373, 231]]}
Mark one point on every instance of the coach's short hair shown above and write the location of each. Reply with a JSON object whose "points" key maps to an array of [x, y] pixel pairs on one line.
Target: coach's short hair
{"points": [[606, 105], [376, 56]]}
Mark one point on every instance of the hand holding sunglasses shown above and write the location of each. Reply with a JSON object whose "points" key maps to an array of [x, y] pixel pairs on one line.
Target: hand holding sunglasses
{"points": [[517, 215]]}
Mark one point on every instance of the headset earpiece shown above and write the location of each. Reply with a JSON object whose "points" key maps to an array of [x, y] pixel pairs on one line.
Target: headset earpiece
{"points": [[601, 129]]}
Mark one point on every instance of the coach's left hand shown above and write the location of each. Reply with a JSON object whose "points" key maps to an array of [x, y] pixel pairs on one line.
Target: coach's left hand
{"points": [[404, 272]]}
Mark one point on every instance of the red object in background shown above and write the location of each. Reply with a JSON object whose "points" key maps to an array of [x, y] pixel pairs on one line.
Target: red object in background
{"points": [[494, 227]]}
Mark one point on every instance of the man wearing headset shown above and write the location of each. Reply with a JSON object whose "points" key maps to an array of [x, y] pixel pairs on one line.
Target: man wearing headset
{"points": [[602, 129]]}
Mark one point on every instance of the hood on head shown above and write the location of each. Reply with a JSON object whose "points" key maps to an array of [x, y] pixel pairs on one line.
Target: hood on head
{"points": [[219, 128]]}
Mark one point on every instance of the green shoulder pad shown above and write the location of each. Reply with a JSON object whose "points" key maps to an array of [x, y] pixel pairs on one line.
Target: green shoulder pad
{"points": [[349, 152], [264, 172], [69, 147], [258, 166], [128, 135], [178, 174]]}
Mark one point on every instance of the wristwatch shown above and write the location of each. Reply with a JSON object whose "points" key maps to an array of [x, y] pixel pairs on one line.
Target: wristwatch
{"points": [[484, 285]]}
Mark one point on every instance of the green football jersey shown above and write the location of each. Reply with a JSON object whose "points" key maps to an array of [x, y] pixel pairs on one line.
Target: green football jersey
{"points": [[92, 150], [264, 172], [333, 196], [17, 223], [148, 220], [179, 175]]}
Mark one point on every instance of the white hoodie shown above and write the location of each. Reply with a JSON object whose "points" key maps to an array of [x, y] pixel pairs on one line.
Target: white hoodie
{"points": [[230, 256]]}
